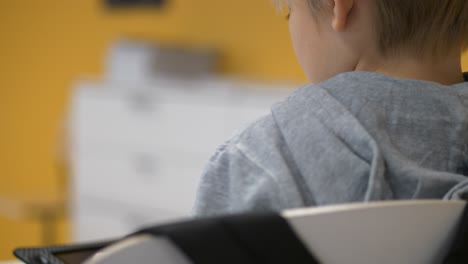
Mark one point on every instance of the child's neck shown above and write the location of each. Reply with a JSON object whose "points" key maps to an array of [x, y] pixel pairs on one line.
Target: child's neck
{"points": [[445, 71]]}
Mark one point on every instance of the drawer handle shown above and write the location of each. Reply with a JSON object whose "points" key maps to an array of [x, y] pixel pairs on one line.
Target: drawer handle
{"points": [[145, 165], [141, 102]]}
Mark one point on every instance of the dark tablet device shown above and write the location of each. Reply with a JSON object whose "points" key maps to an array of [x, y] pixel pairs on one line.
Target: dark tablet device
{"points": [[69, 254]]}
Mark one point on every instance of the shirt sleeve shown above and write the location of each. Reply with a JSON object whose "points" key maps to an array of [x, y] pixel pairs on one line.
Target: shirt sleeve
{"points": [[234, 183]]}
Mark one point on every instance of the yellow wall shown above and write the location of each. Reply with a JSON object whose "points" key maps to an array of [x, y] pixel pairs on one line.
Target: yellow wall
{"points": [[46, 44], [465, 61]]}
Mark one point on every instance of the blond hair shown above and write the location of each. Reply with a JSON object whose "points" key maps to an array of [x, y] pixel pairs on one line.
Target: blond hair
{"points": [[419, 27]]}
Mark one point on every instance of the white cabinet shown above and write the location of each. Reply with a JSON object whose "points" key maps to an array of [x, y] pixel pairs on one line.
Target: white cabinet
{"points": [[137, 154]]}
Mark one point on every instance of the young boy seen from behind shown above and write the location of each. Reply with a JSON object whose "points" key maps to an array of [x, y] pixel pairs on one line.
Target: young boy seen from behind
{"points": [[384, 118]]}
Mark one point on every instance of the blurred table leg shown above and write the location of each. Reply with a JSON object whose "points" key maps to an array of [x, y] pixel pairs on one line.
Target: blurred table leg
{"points": [[47, 211]]}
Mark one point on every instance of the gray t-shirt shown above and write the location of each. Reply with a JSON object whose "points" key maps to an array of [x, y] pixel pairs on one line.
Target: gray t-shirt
{"points": [[357, 137]]}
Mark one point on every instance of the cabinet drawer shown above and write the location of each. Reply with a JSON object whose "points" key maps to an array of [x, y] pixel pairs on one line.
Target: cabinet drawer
{"points": [[99, 219], [158, 124], [166, 180], [95, 227]]}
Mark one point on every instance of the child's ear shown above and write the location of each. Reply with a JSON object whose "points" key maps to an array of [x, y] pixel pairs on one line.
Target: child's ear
{"points": [[341, 11]]}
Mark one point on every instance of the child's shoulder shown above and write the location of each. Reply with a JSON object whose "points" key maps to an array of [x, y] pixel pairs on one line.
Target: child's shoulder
{"points": [[259, 144], [260, 133]]}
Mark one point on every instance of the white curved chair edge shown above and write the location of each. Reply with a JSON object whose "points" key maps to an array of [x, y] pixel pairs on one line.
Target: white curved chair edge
{"points": [[324, 243], [308, 211]]}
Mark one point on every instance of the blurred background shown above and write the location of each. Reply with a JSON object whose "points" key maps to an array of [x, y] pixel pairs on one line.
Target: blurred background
{"points": [[109, 110]]}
